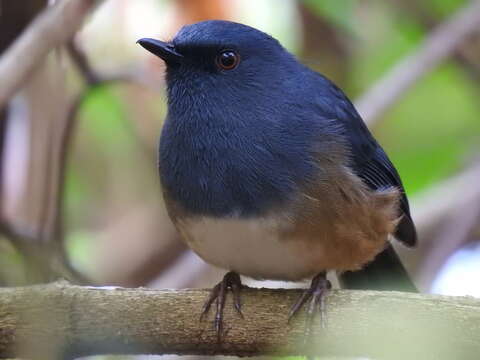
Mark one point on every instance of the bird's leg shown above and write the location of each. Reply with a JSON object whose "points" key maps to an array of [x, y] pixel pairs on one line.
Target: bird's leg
{"points": [[317, 293], [231, 281]]}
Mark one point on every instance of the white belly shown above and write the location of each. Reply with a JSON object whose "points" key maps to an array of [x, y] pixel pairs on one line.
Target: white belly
{"points": [[250, 247]]}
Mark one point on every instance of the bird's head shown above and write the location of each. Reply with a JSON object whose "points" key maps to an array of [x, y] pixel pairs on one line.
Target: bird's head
{"points": [[224, 62]]}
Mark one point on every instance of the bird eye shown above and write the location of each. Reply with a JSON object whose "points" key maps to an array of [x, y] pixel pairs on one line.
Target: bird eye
{"points": [[227, 60]]}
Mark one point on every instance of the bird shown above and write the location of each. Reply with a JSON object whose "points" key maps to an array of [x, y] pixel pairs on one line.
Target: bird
{"points": [[268, 170]]}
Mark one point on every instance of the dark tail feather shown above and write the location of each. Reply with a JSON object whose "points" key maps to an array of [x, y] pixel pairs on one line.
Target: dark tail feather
{"points": [[406, 232], [385, 272]]}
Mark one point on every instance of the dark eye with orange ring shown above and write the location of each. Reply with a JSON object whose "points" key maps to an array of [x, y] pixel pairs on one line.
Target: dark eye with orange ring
{"points": [[227, 60]]}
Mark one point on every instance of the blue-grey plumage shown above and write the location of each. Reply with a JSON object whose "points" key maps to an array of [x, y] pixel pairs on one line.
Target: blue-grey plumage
{"points": [[267, 168]]}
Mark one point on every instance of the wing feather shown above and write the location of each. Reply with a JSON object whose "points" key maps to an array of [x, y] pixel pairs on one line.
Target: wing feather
{"points": [[369, 161]]}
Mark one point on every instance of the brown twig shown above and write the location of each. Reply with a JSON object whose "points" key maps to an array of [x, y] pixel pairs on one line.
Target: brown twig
{"points": [[83, 64], [52, 28], [438, 45], [418, 10]]}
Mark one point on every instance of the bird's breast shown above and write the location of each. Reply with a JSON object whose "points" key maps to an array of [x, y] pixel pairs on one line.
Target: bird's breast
{"points": [[251, 247], [213, 166]]}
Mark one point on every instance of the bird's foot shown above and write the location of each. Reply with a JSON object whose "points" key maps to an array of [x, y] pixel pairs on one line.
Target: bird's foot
{"points": [[231, 281], [319, 289]]}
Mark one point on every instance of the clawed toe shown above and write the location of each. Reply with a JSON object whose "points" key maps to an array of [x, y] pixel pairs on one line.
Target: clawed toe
{"points": [[316, 295], [231, 281]]}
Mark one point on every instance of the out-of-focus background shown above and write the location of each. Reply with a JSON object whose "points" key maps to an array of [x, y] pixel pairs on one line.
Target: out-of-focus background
{"points": [[80, 195]]}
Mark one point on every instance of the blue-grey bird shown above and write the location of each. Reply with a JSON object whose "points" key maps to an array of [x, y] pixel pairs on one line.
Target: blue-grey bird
{"points": [[268, 170]]}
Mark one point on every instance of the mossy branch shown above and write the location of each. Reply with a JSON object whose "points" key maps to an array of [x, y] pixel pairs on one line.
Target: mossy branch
{"points": [[61, 320]]}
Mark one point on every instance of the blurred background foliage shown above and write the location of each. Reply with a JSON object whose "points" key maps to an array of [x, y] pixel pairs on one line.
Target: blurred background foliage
{"points": [[114, 225]]}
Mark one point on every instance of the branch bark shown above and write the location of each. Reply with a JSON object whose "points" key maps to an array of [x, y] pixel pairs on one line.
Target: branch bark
{"points": [[61, 320], [50, 29], [441, 43]]}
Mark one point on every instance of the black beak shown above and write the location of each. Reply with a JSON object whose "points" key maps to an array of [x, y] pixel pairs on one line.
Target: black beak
{"points": [[163, 50]]}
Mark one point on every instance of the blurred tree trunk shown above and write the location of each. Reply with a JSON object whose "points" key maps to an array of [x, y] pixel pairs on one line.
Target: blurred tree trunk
{"points": [[324, 47], [14, 18], [29, 216], [3, 126]]}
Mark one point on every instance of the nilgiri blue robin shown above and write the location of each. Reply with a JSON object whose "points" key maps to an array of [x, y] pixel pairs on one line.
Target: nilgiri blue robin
{"points": [[269, 171]]}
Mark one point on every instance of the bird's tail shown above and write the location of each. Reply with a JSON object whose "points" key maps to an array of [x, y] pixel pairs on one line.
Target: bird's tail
{"points": [[385, 272]]}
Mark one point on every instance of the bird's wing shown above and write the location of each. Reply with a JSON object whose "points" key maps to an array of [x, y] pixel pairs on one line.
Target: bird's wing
{"points": [[370, 162], [378, 172]]}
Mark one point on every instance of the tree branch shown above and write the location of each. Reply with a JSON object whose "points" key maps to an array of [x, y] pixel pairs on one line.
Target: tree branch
{"points": [[61, 320], [442, 42], [420, 12], [434, 208], [52, 28]]}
